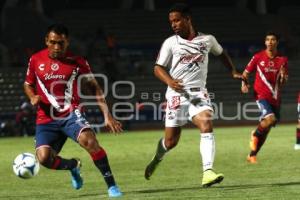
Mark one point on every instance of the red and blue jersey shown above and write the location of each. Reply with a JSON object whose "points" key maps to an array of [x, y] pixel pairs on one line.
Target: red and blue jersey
{"points": [[56, 81], [266, 84]]}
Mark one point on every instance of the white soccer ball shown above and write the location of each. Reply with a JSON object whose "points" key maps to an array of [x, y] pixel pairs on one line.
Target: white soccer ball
{"points": [[26, 165]]}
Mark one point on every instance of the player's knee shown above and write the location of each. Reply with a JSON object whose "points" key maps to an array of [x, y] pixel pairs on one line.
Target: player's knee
{"points": [[171, 143], [89, 143], [271, 120], [206, 127], [44, 159]]}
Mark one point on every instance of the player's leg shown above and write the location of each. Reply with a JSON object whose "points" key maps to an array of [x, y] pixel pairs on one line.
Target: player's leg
{"points": [[89, 142], [203, 121], [297, 145], [49, 142], [170, 140], [269, 117], [77, 128], [175, 117]]}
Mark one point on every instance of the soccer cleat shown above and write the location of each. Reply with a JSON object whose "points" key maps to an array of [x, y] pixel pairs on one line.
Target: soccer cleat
{"points": [[77, 180], [253, 141], [151, 168], [210, 178], [114, 191], [297, 147], [252, 159]]}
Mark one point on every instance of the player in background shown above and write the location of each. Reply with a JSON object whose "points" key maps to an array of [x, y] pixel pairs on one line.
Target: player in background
{"points": [[52, 85], [271, 73], [186, 54], [297, 145]]}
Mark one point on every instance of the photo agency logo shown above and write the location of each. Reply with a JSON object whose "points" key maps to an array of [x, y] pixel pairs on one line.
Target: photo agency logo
{"points": [[127, 104]]}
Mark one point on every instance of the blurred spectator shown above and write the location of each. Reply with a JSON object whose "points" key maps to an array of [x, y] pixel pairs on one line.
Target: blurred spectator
{"points": [[103, 54], [4, 56], [25, 119], [7, 128], [22, 22]]}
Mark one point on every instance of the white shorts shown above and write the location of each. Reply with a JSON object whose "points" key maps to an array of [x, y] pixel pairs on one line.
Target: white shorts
{"points": [[183, 107], [298, 111]]}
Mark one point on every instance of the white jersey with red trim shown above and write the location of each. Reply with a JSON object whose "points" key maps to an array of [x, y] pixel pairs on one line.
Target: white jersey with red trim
{"points": [[188, 59], [56, 82]]}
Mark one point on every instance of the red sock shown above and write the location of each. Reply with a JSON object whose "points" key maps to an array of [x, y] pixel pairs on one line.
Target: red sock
{"points": [[298, 136], [56, 163], [101, 162], [98, 155], [63, 164]]}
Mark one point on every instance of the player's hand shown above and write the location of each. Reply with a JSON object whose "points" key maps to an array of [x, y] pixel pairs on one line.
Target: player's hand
{"points": [[176, 85], [282, 76], [237, 75], [113, 125], [35, 100], [245, 88]]}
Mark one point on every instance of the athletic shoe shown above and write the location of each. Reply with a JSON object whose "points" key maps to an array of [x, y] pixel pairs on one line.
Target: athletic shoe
{"points": [[253, 141], [297, 147], [114, 191], [210, 178], [251, 159], [151, 168], [77, 180]]}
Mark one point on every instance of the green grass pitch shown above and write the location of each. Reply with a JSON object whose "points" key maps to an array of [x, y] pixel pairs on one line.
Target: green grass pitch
{"points": [[276, 176]]}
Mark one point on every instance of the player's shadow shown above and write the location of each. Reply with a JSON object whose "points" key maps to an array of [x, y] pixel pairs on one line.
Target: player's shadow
{"points": [[227, 187], [247, 186], [196, 187]]}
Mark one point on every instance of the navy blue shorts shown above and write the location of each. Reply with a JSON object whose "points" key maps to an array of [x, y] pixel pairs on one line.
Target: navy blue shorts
{"points": [[55, 133], [267, 109]]}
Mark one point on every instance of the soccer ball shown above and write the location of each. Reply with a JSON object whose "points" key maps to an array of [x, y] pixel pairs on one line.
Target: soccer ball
{"points": [[26, 166]]}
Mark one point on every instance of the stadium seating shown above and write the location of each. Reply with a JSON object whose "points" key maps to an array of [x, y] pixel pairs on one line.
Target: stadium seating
{"points": [[139, 34]]}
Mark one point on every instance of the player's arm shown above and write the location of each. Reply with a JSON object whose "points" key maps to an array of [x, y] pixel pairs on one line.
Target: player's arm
{"points": [[245, 86], [164, 76], [114, 125], [30, 93], [283, 74], [226, 60]]}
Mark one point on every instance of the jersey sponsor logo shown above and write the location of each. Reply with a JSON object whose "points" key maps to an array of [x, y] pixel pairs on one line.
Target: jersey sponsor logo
{"points": [[191, 58], [270, 69], [41, 67], [54, 66], [54, 76]]}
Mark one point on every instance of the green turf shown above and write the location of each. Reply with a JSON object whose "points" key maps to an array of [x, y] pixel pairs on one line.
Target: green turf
{"points": [[276, 176]]}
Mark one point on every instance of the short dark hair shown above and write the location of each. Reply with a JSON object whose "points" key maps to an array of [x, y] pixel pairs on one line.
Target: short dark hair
{"points": [[60, 29], [183, 8], [274, 34]]}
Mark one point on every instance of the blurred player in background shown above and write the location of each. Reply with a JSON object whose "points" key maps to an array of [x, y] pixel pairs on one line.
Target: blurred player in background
{"points": [[271, 73], [186, 54], [52, 85], [297, 145]]}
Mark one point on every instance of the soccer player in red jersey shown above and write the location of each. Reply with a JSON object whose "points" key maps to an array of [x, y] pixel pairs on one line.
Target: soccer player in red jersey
{"points": [[271, 73], [52, 84], [297, 145]]}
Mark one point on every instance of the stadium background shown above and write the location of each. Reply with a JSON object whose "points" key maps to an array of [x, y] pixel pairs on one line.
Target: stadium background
{"points": [[121, 38]]}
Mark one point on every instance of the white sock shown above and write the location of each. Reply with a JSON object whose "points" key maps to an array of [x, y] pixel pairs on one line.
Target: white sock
{"points": [[207, 150]]}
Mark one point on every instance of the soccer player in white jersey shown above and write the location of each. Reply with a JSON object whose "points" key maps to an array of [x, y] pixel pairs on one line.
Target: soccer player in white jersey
{"points": [[297, 145], [186, 54]]}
